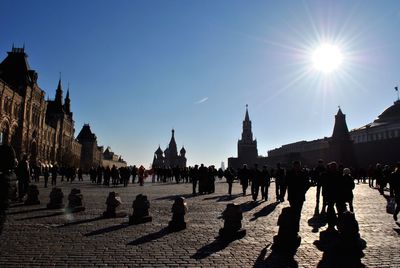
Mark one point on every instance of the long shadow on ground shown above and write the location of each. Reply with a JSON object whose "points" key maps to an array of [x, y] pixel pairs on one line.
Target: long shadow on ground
{"points": [[108, 229], [275, 259], [265, 211], [42, 216], [207, 250], [81, 221], [26, 211], [150, 237], [173, 197], [249, 205], [223, 198]]}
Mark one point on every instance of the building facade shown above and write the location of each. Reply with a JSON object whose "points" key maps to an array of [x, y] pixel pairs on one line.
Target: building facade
{"points": [[247, 148], [170, 157], [43, 130], [111, 159], [376, 142]]}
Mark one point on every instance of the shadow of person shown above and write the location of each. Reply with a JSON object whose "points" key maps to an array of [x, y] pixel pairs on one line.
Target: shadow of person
{"points": [[275, 259], [213, 247], [249, 205], [42, 216], [173, 197], [317, 221], [150, 237], [265, 211], [108, 229], [223, 198], [342, 248]]}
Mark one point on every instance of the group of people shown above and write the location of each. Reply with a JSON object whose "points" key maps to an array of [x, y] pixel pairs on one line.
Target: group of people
{"points": [[116, 176]]}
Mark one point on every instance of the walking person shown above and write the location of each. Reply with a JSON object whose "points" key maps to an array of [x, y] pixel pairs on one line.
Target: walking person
{"points": [[297, 186], [265, 182], [243, 175], [280, 183], [396, 189]]}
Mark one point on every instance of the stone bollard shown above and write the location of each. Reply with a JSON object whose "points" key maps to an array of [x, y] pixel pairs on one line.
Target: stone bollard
{"points": [[287, 239], [32, 195], [56, 199], [179, 209], [140, 210], [113, 202], [75, 203], [232, 229]]}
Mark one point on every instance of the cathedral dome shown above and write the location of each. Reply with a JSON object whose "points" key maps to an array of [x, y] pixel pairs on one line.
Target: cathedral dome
{"points": [[390, 114], [159, 151], [183, 151]]}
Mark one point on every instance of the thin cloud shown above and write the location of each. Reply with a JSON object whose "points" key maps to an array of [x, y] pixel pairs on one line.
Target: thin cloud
{"points": [[202, 100]]}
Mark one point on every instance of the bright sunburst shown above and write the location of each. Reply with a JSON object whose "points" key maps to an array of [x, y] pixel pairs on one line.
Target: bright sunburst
{"points": [[327, 58]]}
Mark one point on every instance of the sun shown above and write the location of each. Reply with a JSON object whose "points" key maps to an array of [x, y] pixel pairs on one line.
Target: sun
{"points": [[327, 58]]}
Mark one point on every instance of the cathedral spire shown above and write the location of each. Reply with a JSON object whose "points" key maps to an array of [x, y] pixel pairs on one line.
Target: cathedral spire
{"points": [[58, 99], [67, 102]]}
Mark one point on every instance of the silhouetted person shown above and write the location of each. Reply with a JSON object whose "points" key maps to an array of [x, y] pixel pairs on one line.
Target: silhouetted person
{"points": [[395, 176], [54, 171], [243, 176], [141, 175], [346, 194], [280, 183], [46, 175], [229, 179], [23, 174], [107, 176], [255, 186], [297, 186], [265, 183], [80, 174], [7, 180], [333, 182], [378, 176], [99, 174], [203, 177], [194, 175], [318, 176], [134, 173]]}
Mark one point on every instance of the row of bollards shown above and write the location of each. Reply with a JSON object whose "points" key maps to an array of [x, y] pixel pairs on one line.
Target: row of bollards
{"points": [[232, 215]]}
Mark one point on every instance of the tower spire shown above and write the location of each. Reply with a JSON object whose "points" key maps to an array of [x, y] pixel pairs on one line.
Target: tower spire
{"points": [[67, 102], [246, 117], [58, 99]]}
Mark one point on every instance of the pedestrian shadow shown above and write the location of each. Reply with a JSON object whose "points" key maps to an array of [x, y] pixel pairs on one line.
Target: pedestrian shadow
{"points": [[81, 221], [275, 259], [150, 237], [213, 247], [265, 211], [108, 229], [317, 221], [26, 211], [173, 197], [223, 198], [249, 205], [337, 254]]}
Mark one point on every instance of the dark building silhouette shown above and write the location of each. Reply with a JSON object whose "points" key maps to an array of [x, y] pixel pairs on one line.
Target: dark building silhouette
{"points": [[170, 157], [341, 147], [376, 142], [42, 129], [247, 147], [91, 154]]}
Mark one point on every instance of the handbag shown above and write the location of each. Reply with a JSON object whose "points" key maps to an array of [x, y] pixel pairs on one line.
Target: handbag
{"points": [[391, 205]]}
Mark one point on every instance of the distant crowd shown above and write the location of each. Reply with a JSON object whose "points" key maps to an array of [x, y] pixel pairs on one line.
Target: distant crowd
{"points": [[334, 183]]}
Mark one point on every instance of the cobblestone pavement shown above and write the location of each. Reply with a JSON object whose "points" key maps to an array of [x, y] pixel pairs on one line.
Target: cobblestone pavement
{"points": [[35, 236]]}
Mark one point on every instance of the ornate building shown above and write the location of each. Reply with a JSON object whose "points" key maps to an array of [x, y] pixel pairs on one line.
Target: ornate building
{"points": [[247, 148], [44, 130], [170, 157]]}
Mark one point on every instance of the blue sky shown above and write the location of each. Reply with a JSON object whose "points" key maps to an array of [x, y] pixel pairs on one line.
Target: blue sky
{"points": [[137, 69]]}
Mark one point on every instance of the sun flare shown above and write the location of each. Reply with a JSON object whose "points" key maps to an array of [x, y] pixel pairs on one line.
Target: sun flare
{"points": [[327, 58]]}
